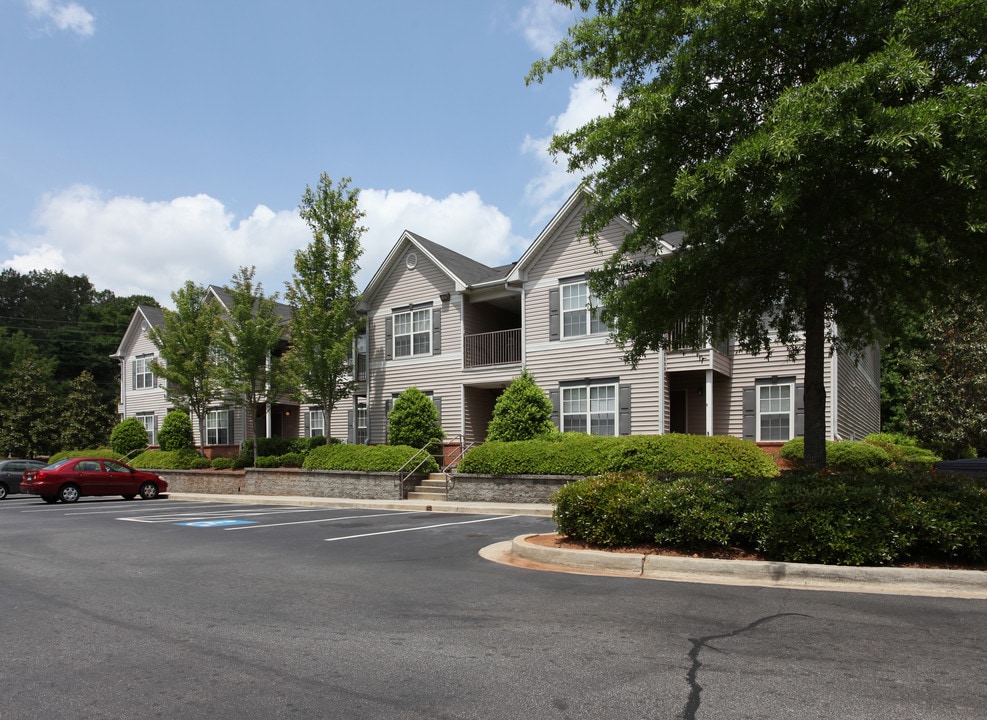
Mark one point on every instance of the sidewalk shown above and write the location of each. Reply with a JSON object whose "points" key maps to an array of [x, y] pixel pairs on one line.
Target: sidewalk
{"points": [[970, 584]]}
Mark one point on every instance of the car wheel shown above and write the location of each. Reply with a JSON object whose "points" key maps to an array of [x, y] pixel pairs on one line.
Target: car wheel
{"points": [[50, 498], [129, 497], [3, 491], [149, 490], [68, 493]]}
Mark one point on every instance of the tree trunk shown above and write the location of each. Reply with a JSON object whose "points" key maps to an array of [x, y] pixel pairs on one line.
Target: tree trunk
{"points": [[815, 359]]}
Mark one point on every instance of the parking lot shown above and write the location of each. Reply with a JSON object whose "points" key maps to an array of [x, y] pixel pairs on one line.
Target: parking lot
{"points": [[199, 608]]}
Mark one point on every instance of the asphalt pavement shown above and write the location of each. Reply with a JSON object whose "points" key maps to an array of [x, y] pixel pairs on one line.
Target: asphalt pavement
{"points": [[519, 552]]}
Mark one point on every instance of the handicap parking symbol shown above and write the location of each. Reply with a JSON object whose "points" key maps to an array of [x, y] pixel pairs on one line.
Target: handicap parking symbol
{"points": [[216, 523]]}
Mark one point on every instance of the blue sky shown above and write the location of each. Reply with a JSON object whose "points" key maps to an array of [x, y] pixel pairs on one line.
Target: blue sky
{"points": [[144, 144]]}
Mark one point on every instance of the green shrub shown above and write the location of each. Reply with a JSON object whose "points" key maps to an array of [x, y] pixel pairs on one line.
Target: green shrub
{"points": [[293, 460], [221, 463], [587, 455], [176, 431], [834, 520], [604, 510], [241, 462], [98, 452], [166, 460], [413, 420], [267, 447], [903, 451], [200, 463], [943, 517], [367, 458], [699, 455], [841, 456], [128, 436], [692, 513], [852, 518], [522, 412], [851, 455], [268, 461]]}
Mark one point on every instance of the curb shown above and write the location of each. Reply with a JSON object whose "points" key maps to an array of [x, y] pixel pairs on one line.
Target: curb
{"points": [[896, 581]]}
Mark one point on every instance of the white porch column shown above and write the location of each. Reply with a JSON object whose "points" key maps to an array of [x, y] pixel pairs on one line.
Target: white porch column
{"points": [[709, 403]]}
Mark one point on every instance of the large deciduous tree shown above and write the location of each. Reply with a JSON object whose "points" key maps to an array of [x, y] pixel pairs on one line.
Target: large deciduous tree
{"points": [[248, 369], [186, 348], [825, 161], [323, 296]]}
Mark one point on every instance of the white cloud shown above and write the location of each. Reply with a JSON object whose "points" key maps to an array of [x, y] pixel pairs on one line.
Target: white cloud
{"points": [[461, 222], [64, 15], [543, 23], [553, 184], [134, 246]]}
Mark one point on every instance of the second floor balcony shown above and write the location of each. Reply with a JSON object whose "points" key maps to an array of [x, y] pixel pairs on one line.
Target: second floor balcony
{"points": [[502, 347]]}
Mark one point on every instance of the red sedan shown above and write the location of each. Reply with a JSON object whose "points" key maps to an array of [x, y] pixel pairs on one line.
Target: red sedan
{"points": [[68, 480]]}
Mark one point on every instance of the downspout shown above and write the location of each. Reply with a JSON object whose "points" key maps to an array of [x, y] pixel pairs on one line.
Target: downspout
{"points": [[835, 395], [663, 403]]}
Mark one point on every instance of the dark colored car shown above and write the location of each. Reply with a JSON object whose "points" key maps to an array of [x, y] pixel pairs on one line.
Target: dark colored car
{"points": [[68, 480], [11, 471], [972, 467]]}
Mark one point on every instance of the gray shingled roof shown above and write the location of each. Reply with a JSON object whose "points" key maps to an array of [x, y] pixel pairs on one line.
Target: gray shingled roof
{"points": [[470, 271]]}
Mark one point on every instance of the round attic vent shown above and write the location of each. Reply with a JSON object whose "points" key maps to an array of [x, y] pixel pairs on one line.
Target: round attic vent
{"points": [[411, 261]]}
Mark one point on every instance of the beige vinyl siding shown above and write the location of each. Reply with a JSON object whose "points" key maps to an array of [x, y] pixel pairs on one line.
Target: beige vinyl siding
{"points": [[747, 369], [438, 373], [858, 394], [592, 357], [146, 399]]}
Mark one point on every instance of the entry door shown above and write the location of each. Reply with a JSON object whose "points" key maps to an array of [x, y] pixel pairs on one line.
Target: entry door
{"points": [[678, 420]]}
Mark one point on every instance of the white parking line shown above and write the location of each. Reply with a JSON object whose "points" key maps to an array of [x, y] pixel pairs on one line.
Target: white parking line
{"points": [[332, 519], [415, 529], [220, 514]]}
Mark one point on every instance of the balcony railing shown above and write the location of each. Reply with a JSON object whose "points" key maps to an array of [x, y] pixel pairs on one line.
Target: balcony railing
{"points": [[492, 348]]}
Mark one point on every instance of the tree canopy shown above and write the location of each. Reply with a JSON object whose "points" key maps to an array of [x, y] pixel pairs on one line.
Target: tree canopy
{"points": [[186, 347], [824, 160], [249, 335], [323, 296]]}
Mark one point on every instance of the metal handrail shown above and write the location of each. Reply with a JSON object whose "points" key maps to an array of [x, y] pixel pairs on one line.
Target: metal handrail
{"points": [[463, 449], [404, 474]]}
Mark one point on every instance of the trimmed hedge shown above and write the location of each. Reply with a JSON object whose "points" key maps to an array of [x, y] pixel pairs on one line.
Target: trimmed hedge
{"points": [[98, 453], [366, 458], [854, 518], [587, 455], [170, 460], [873, 453]]}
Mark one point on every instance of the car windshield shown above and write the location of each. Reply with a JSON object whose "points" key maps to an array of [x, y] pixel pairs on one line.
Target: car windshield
{"points": [[115, 467]]}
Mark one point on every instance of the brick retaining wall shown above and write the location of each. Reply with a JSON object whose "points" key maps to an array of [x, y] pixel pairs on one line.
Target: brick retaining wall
{"points": [[361, 486]]}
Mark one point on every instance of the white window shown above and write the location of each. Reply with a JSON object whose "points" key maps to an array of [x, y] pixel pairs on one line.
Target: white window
{"points": [[580, 312], [775, 412], [361, 421], [413, 333], [590, 409], [218, 427], [316, 422], [143, 377], [150, 426]]}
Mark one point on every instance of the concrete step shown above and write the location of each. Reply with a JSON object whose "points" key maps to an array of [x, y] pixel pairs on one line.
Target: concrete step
{"points": [[415, 495], [433, 484]]}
